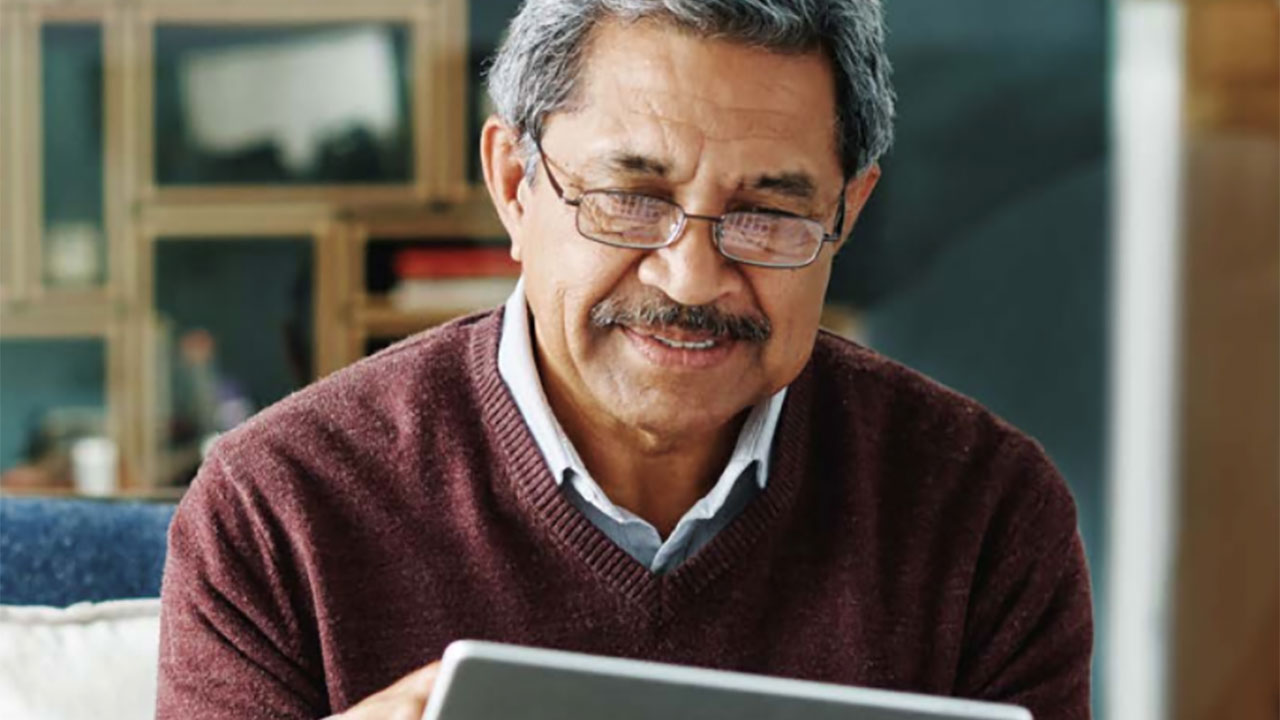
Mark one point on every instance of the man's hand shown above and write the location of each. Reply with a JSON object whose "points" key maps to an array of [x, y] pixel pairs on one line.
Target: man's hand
{"points": [[405, 700]]}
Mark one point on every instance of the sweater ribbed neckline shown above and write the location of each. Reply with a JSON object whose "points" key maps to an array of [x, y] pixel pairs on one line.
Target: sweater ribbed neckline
{"points": [[539, 495]]}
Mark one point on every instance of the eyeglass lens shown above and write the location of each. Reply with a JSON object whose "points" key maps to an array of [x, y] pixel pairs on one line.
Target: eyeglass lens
{"points": [[641, 221]]}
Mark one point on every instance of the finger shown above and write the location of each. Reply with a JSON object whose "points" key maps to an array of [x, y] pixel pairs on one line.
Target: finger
{"points": [[419, 681], [397, 707], [426, 679], [417, 684]]}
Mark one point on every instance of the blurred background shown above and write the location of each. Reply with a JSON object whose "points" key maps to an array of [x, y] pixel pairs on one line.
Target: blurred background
{"points": [[207, 204]]}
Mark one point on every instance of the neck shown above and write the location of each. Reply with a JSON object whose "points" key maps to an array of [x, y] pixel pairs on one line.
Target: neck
{"points": [[657, 478]]}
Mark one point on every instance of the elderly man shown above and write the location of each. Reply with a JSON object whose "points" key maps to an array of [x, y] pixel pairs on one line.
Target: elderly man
{"points": [[651, 451]]}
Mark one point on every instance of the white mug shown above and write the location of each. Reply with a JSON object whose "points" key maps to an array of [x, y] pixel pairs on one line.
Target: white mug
{"points": [[93, 464]]}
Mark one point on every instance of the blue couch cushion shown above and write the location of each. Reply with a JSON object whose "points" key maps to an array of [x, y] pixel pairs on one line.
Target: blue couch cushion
{"points": [[63, 551]]}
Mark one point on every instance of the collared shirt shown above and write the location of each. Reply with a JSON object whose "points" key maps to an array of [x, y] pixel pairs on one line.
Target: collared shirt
{"points": [[743, 477]]}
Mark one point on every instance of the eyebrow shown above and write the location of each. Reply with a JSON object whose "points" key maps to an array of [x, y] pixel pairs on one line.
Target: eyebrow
{"points": [[792, 184], [635, 163]]}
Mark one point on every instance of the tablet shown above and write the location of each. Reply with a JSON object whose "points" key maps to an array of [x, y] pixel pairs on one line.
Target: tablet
{"points": [[484, 681]]}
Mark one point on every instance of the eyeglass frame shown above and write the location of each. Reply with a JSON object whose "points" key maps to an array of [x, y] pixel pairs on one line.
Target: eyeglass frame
{"points": [[716, 221]]}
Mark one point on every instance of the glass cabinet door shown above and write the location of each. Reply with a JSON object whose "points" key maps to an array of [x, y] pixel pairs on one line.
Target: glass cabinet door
{"points": [[236, 325], [282, 105], [74, 235]]}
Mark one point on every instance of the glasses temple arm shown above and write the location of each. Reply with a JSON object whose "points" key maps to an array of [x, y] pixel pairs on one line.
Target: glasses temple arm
{"points": [[839, 229]]}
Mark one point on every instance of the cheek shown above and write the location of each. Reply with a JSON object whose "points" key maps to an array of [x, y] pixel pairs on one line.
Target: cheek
{"points": [[793, 304], [585, 273], [567, 274]]}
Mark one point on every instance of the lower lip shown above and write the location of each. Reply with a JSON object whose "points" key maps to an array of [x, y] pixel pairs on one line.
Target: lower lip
{"points": [[659, 353]]}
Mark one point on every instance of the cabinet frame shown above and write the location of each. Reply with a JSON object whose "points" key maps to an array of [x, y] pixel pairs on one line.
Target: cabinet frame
{"points": [[24, 236], [234, 223], [10, 72]]}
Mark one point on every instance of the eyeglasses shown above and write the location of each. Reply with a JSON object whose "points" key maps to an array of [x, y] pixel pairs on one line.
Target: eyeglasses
{"points": [[765, 238]]}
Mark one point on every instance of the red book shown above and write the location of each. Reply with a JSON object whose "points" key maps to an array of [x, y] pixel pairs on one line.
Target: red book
{"points": [[430, 263]]}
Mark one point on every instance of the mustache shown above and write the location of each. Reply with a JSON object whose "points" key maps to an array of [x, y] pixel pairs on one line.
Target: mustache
{"points": [[659, 312]]}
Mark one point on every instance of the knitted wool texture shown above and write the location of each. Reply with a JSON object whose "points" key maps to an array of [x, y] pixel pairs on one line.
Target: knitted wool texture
{"points": [[907, 539]]}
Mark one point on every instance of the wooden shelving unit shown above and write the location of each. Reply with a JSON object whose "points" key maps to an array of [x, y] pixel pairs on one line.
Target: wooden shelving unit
{"points": [[139, 211]]}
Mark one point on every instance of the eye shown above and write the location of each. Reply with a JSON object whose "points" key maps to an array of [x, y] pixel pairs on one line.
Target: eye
{"points": [[754, 222], [632, 206], [770, 209]]}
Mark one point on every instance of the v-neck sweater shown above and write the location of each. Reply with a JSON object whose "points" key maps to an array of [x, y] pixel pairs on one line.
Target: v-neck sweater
{"points": [[907, 539]]}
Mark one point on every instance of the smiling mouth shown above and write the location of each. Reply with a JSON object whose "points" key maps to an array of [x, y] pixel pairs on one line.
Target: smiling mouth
{"points": [[676, 349], [679, 338], [684, 344]]}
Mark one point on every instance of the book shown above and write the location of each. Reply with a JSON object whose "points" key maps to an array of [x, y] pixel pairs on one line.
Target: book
{"points": [[452, 294], [454, 262]]}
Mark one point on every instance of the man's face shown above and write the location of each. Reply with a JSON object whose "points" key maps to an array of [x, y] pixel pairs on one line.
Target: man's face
{"points": [[714, 127]]}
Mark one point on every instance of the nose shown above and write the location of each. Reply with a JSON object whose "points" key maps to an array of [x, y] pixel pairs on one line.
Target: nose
{"points": [[691, 270]]}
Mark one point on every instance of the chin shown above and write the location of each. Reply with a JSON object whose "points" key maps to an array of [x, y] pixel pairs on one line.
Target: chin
{"points": [[670, 413]]}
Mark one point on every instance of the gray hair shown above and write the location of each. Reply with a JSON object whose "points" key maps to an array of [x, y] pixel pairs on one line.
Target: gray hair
{"points": [[537, 67]]}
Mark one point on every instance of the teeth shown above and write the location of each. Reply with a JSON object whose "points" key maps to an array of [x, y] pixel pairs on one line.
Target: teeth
{"points": [[700, 345]]}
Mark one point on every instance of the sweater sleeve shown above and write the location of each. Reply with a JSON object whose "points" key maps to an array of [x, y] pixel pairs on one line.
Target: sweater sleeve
{"points": [[230, 639], [1029, 635]]}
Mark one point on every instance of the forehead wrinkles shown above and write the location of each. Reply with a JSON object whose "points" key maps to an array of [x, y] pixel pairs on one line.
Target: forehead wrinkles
{"points": [[714, 121], [679, 129], [669, 95]]}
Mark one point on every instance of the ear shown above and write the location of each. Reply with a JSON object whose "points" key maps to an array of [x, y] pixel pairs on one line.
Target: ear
{"points": [[504, 176], [856, 194]]}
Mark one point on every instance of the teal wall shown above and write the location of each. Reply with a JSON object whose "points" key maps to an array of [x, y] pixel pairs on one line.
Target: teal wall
{"points": [[982, 259]]}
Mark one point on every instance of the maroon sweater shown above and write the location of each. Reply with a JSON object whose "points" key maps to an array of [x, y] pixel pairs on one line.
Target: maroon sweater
{"points": [[907, 539]]}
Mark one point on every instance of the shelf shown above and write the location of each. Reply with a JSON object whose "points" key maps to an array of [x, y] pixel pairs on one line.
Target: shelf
{"points": [[378, 317], [470, 215], [91, 316]]}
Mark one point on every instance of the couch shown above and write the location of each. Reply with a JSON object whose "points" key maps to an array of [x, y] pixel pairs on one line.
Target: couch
{"points": [[79, 607]]}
